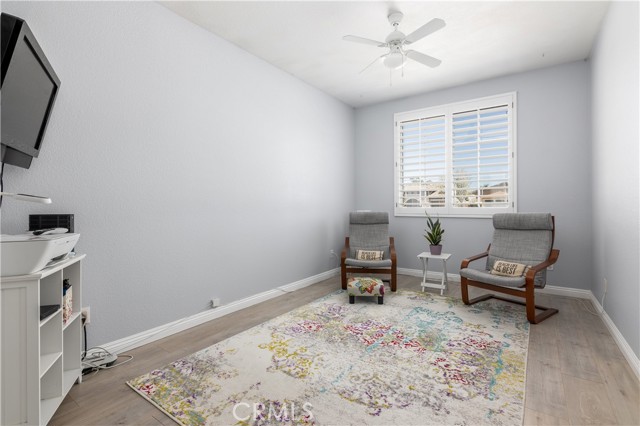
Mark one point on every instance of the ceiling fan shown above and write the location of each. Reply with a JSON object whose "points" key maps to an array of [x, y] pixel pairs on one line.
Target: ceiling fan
{"points": [[397, 41]]}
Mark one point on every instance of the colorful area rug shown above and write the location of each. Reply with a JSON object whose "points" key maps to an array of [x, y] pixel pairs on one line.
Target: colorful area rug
{"points": [[418, 359]]}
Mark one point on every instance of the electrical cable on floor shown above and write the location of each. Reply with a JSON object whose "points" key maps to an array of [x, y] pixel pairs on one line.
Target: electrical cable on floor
{"points": [[586, 307], [91, 360], [84, 328], [334, 254], [1, 182]]}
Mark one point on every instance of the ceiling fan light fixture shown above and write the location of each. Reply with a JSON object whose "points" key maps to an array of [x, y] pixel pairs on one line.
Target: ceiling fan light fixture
{"points": [[393, 60], [397, 41]]}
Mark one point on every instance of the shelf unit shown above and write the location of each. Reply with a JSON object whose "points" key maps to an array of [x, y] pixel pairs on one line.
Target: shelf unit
{"points": [[41, 359]]}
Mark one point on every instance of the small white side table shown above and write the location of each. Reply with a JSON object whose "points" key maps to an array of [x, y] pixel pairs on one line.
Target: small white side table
{"points": [[424, 257]]}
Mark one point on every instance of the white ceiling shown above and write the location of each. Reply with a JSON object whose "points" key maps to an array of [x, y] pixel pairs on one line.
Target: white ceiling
{"points": [[481, 39]]}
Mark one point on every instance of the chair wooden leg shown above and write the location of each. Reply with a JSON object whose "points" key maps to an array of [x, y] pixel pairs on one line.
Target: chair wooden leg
{"points": [[486, 297], [394, 279], [352, 299], [380, 300], [529, 297], [344, 277], [531, 308], [535, 319], [546, 313], [464, 290], [528, 303]]}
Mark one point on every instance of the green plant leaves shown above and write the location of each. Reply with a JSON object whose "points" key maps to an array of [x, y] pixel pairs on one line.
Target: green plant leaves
{"points": [[434, 231]]}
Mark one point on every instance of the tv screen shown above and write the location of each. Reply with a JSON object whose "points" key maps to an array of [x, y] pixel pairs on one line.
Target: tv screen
{"points": [[29, 89]]}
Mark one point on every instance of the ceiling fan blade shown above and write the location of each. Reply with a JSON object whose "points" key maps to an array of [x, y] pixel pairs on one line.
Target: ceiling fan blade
{"points": [[428, 28], [364, 40], [427, 60], [374, 61]]}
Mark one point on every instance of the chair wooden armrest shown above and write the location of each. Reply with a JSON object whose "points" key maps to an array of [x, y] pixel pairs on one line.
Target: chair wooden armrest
{"points": [[345, 250], [343, 264], [465, 262], [394, 264], [533, 270], [392, 249]]}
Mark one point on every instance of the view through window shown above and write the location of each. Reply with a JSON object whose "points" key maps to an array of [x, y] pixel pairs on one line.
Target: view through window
{"points": [[456, 159]]}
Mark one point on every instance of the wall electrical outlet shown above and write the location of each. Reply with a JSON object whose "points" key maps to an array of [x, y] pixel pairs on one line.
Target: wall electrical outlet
{"points": [[550, 268], [332, 253], [86, 314], [215, 302]]}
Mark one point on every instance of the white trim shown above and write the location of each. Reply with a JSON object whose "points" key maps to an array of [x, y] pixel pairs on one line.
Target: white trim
{"points": [[160, 332], [626, 350], [431, 275], [577, 293], [174, 327], [410, 272]]}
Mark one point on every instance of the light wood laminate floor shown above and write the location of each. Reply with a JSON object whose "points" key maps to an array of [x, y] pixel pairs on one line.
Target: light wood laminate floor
{"points": [[576, 375]]}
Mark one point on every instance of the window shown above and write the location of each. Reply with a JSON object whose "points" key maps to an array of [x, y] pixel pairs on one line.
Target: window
{"points": [[457, 159]]}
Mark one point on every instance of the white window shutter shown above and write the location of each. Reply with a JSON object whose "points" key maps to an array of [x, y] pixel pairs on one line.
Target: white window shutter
{"points": [[456, 159], [422, 162]]}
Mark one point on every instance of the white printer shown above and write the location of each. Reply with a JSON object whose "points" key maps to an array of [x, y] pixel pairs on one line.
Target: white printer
{"points": [[27, 253]]}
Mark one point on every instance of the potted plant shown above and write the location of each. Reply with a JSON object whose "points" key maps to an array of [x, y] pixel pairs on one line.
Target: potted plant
{"points": [[433, 235]]}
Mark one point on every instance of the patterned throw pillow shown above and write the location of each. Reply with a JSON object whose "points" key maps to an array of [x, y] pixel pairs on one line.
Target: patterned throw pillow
{"points": [[509, 269], [369, 254]]}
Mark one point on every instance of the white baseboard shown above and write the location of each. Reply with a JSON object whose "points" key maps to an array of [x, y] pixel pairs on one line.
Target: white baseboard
{"points": [[148, 336], [174, 327], [579, 293], [628, 353], [431, 275], [622, 343], [565, 291]]}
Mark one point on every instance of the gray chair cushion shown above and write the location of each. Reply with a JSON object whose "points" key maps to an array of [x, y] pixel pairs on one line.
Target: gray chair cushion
{"points": [[369, 218], [368, 231], [539, 221], [385, 263], [523, 238], [486, 277]]}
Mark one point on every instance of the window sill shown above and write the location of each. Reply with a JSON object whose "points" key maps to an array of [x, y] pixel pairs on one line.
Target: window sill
{"points": [[451, 215]]}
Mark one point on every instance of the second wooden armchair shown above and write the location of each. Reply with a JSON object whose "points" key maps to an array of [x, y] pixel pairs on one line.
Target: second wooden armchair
{"points": [[368, 249]]}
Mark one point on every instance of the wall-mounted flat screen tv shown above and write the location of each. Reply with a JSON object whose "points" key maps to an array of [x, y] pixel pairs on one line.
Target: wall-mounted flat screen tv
{"points": [[29, 87]]}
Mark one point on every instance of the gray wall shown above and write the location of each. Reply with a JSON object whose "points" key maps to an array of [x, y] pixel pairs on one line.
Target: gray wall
{"points": [[194, 169], [197, 170], [554, 160], [615, 109]]}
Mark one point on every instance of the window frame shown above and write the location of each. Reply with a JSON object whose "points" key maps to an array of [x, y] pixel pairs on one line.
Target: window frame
{"points": [[448, 110]]}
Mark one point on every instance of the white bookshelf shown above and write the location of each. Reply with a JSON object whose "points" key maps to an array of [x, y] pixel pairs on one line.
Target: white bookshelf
{"points": [[41, 359]]}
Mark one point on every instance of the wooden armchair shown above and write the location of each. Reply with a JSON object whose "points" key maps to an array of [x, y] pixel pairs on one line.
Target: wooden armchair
{"points": [[524, 238], [369, 231]]}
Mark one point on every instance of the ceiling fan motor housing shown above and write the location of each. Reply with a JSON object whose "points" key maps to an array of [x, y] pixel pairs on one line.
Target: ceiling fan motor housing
{"points": [[395, 37], [395, 18]]}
